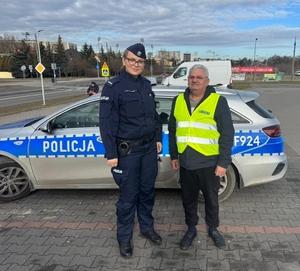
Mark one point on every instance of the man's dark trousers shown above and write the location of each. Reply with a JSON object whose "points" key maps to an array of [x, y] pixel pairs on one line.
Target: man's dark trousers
{"points": [[191, 182]]}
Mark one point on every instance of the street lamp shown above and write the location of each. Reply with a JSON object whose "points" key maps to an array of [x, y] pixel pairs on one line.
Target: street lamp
{"points": [[40, 62], [98, 57], [254, 58], [38, 44], [254, 52], [99, 44], [151, 66]]}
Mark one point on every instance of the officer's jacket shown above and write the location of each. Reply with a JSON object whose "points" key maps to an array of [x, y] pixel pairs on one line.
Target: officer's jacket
{"points": [[127, 111], [192, 159]]}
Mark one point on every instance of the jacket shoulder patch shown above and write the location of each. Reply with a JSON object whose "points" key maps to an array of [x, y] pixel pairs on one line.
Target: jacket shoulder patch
{"points": [[112, 81]]}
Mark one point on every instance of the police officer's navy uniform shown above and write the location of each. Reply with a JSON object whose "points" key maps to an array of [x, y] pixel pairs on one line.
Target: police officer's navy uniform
{"points": [[130, 128]]}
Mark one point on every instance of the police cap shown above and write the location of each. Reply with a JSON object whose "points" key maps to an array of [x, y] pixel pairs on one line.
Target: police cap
{"points": [[138, 49]]}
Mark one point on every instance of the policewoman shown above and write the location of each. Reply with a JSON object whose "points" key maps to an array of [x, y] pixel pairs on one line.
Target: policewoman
{"points": [[131, 132]]}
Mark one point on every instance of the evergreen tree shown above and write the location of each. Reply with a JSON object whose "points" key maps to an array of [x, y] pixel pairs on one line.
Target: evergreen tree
{"points": [[19, 58], [87, 52], [61, 57], [46, 55], [84, 51]]}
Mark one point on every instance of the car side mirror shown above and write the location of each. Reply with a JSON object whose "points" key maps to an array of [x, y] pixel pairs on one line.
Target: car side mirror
{"points": [[47, 127]]}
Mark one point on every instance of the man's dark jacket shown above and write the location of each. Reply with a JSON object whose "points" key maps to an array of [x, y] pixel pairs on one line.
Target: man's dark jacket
{"points": [[190, 158]]}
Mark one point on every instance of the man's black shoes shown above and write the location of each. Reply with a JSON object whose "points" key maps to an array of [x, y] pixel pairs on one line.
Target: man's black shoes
{"points": [[125, 250], [187, 239], [152, 236], [217, 238]]}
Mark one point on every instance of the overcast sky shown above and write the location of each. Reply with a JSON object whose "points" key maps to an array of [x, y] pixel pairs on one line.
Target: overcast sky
{"points": [[207, 28]]}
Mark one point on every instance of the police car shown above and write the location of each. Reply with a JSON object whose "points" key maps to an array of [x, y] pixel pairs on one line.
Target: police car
{"points": [[64, 150]]}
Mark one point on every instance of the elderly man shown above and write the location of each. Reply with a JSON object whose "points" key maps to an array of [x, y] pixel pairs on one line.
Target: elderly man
{"points": [[200, 140]]}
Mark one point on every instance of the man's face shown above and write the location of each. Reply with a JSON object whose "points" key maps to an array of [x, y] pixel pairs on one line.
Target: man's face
{"points": [[133, 64], [197, 80]]}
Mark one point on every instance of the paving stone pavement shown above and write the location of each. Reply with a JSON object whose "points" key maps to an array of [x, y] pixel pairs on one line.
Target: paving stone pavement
{"points": [[74, 230]]}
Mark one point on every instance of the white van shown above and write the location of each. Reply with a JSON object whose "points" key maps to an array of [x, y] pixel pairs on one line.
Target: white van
{"points": [[219, 73]]}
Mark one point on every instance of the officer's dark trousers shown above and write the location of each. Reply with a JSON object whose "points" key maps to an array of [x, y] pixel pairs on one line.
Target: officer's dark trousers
{"points": [[191, 182], [136, 174]]}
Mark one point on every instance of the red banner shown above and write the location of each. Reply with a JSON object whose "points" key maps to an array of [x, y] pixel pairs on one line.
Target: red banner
{"points": [[263, 69]]}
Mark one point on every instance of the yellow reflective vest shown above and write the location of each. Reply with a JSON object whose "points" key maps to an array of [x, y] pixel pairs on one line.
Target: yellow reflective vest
{"points": [[199, 130]]}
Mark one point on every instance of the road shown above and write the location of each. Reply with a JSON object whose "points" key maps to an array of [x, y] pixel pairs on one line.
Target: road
{"points": [[19, 91]]}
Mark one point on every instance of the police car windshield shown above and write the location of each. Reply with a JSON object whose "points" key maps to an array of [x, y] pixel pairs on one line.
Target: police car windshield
{"points": [[32, 122]]}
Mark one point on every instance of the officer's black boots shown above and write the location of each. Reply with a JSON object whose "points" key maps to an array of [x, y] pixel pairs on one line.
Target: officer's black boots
{"points": [[125, 250], [152, 236]]}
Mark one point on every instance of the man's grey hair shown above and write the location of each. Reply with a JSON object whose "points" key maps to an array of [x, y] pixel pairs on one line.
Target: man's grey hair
{"points": [[199, 66]]}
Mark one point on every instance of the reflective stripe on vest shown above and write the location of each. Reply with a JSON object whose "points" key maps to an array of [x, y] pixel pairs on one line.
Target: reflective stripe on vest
{"points": [[199, 130]]}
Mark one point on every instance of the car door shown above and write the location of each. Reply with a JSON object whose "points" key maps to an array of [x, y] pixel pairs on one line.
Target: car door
{"points": [[167, 177], [72, 154]]}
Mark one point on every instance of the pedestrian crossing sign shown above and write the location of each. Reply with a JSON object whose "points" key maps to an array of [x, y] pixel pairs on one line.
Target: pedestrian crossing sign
{"points": [[105, 69]]}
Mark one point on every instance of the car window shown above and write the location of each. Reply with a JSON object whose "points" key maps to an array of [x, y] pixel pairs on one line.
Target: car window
{"points": [[86, 115], [180, 72], [236, 118], [163, 108], [260, 110]]}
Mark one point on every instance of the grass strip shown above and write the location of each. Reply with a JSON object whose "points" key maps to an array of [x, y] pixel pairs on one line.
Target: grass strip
{"points": [[14, 109]]}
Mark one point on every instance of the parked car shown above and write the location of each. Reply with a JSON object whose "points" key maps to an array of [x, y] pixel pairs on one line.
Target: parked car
{"points": [[161, 77], [297, 73], [64, 150], [152, 80]]}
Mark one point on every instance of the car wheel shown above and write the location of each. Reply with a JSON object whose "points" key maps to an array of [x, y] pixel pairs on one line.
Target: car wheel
{"points": [[14, 182], [227, 182]]}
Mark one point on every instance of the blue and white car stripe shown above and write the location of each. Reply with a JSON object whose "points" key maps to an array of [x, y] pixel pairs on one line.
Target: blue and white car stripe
{"points": [[250, 142]]}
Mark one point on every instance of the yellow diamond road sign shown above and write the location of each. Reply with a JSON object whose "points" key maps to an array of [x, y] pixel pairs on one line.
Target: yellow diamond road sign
{"points": [[40, 68]]}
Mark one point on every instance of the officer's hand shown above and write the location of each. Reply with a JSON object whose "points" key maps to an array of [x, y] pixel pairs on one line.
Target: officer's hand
{"points": [[175, 164], [158, 146], [220, 171], [113, 162]]}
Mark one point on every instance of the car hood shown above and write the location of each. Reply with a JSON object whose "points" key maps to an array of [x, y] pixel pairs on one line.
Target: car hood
{"points": [[20, 124]]}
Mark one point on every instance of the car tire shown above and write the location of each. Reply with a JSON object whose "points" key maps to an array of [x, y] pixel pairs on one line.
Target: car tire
{"points": [[228, 183], [14, 182]]}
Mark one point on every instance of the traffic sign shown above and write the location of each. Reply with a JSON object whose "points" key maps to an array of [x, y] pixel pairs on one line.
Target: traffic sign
{"points": [[105, 69], [40, 68], [23, 68], [105, 72], [104, 66]]}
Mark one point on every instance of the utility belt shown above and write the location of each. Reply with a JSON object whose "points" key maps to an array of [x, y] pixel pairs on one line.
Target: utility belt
{"points": [[124, 146]]}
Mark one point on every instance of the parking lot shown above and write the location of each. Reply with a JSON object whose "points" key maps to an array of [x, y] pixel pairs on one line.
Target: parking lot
{"points": [[74, 230]]}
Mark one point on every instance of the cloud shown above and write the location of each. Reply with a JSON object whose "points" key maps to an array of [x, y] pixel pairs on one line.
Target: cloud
{"points": [[225, 25]]}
